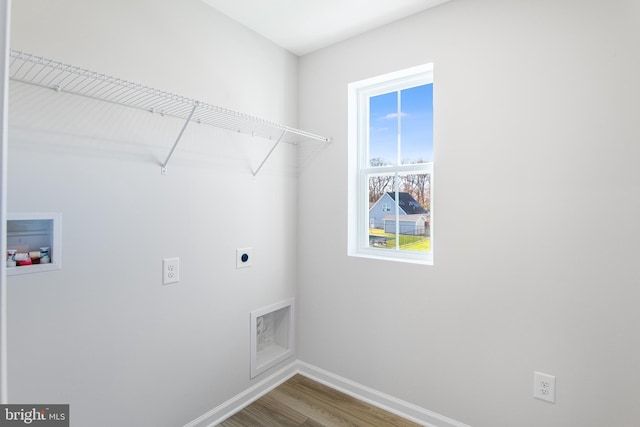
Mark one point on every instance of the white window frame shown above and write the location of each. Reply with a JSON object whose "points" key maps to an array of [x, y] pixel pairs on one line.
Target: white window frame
{"points": [[359, 167]]}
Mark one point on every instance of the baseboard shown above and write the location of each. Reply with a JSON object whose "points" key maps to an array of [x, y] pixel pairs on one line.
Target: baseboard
{"points": [[366, 394], [241, 400], [376, 398]]}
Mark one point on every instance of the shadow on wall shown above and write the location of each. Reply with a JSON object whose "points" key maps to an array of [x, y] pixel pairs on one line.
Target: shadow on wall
{"points": [[58, 123]]}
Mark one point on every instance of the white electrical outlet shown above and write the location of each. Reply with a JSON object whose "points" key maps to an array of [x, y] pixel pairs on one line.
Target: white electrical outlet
{"points": [[244, 258], [544, 387], [170, 270]]}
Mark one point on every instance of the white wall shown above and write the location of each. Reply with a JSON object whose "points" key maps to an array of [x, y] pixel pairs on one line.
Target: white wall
{"points": [[536, 217], [5, 7], [103, 334]]}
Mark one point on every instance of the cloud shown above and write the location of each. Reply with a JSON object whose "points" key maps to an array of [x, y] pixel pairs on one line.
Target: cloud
{"points": [[394, 115]]}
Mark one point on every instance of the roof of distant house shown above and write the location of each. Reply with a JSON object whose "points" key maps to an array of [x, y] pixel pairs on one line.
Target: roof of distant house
{"points": [[407, 203]]}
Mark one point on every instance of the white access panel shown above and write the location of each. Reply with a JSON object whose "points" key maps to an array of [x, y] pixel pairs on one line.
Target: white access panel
{"points": [[272, 335]]}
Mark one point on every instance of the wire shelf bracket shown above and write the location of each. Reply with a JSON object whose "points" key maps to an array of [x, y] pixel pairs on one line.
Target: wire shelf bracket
{"points": [[48, 73], [269, 153], [163, 168]]}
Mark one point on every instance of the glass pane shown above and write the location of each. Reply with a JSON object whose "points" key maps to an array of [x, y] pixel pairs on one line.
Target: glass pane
{"points": [[417, 124], [414, 220], [383, 129], [405, 223]]}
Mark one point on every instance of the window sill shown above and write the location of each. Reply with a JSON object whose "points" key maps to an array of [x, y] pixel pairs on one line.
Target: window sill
{"points": [[421, 259]]}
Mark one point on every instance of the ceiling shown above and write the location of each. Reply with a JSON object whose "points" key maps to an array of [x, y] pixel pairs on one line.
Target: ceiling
{"points": [[302, 26]]}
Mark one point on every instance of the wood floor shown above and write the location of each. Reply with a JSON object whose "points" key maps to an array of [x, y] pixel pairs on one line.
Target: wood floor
{"points": [[306, 403]]}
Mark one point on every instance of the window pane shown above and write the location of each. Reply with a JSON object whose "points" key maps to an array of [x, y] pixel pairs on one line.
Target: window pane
{"points": [[379, 204], [417, 124], [405, 223], [383, 129]]}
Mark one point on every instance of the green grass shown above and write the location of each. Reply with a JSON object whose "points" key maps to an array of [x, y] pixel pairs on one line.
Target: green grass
{"points": [[407, 242], [423, 245]]}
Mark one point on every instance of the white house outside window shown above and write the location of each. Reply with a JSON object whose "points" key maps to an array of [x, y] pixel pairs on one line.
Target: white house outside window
{"points": [[391, 166]]}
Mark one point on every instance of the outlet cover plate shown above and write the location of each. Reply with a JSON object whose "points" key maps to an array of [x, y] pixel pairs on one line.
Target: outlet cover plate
{"points": [[244, 257], [170, 270], [544, 387]]}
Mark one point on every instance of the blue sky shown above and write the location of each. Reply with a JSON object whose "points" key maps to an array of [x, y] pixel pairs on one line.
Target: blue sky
{"points": [[416, 124]]}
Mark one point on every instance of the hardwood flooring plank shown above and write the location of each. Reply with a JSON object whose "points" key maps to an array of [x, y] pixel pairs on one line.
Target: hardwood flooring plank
{"points": [[240, 419], [265, 412], [353, 410], [324, 408], [270, 407], [301, 402], [354, 406], [317, 411], [311, 423]]}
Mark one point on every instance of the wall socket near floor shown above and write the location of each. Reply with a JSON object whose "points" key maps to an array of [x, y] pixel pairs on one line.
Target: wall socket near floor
{"points": [[544, 387], [170, 270]]}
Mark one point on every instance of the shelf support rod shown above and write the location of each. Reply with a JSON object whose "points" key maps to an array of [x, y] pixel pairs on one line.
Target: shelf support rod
{"points": [[175, 144], [269, 153]]}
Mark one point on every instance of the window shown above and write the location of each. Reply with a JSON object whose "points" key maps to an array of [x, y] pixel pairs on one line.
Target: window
{"points": [[391, 166]]}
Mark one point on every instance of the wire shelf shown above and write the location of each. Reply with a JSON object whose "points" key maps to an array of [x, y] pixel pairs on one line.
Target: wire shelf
{"points": [[51, 74]]}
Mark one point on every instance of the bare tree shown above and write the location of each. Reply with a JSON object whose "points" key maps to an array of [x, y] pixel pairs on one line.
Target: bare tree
{"points": [[378, 185], [418, 186]]}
